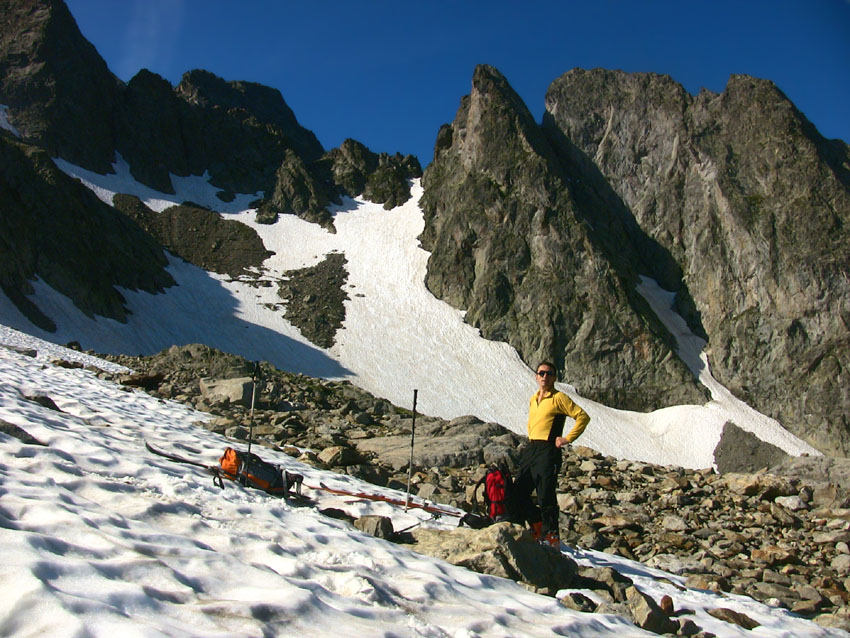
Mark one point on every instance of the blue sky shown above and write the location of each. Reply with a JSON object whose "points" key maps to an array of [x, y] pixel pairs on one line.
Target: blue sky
{"points": [[390, 73]]}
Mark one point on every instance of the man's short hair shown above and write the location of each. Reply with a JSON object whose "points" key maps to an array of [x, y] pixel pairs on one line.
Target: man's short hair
{"points": [[550, 364]]}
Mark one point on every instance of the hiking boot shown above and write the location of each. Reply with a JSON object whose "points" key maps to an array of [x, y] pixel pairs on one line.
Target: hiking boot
{"points": [[537, 531], [551, 539]]}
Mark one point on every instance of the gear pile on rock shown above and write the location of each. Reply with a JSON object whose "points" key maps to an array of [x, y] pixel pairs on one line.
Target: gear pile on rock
{"points": [[781, 535]]}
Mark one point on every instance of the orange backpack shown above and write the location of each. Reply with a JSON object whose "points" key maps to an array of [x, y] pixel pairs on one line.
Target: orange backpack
{"points": [[252, 471]]}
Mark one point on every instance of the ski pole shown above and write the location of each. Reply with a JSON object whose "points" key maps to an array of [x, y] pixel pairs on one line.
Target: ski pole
{"points": [[410, 466], [253, 399]]}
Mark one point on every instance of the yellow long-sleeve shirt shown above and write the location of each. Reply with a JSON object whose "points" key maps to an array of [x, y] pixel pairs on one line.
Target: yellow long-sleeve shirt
{"points": [[543, 416]]}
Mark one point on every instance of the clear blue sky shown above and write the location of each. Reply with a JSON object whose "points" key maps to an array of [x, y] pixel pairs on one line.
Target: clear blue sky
{"points": [[389, 73]]}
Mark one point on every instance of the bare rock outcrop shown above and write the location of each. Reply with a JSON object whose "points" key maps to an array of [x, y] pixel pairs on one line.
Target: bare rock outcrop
{"points": [[754, 205], [502, 549], [540, 261]]}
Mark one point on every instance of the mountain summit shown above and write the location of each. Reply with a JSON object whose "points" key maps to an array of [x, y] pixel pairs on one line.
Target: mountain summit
{"points": [[530, 252], [753, 204]]}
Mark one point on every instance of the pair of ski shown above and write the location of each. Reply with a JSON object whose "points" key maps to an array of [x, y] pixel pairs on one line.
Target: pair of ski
{"points": [[430, 507]]}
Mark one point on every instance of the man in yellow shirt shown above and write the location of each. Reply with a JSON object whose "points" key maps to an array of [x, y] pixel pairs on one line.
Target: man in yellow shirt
{"points": [[540, 461]]}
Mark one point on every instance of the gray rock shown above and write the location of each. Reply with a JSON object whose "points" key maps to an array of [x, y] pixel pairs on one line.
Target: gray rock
{"points": [[841, 564], [19, 433], [193, 233], [41, 399], [462, 445], [507, 216], [793, 503], [734, 617], [835, 621], [502, 549], [377, 526], [239, 390], [339, 455], [831, 537], [766, 591], [674, 564], [674, 523], [742, 451], [829, 477]]}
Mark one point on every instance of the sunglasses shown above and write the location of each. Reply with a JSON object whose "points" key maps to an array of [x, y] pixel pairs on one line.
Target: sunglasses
{"points": [[545, 373]]}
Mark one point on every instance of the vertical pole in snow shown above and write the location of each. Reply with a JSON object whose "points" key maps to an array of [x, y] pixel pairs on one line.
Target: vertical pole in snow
{"points": [[410, 465], [253, 399]]}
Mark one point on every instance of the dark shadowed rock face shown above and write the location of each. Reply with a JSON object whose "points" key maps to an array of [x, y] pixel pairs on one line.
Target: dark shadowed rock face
{"points": [[150, 132], [298, 191], [199, 236], [742, 451], [264, 104], [379, 177], [239, 131], [57, 87], [307, 189], [529, 254], [754, 205], [55, 228], [315, 299], [63, 99]]}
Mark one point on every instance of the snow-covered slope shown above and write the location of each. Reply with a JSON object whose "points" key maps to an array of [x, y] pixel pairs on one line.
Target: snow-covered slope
{"points": [[396, 338], [100, 538]]}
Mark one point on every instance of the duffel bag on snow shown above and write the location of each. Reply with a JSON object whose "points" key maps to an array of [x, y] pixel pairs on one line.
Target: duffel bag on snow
{"points": [[252, 471]]}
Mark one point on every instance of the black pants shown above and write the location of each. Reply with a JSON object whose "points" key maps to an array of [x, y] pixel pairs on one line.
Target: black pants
{"points": [[539, 465]]}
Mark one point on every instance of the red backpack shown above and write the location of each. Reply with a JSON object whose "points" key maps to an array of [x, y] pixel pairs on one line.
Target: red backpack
{"points": [[498, 488], [498, 498]]}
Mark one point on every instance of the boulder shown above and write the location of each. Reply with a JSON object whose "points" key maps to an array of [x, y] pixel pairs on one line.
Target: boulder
{"points": [[148, 381], [647, 614], [377, 526], [504, 550], [742, 451], [239, 390], [19, 433], [339, 455], [734, 617], [457, 447]]}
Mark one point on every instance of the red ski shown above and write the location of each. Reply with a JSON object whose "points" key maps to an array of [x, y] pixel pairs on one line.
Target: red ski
{"points": [[430, 507]]}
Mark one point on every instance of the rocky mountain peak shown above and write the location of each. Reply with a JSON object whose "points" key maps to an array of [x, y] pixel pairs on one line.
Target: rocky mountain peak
{"points": [[491, 116], [753, 204], [55, 83], [512, 242], [265, 104]]}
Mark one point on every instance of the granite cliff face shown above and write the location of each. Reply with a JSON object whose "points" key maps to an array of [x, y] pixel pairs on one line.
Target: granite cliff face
{"points": [[753, 204], [538, 259]]}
